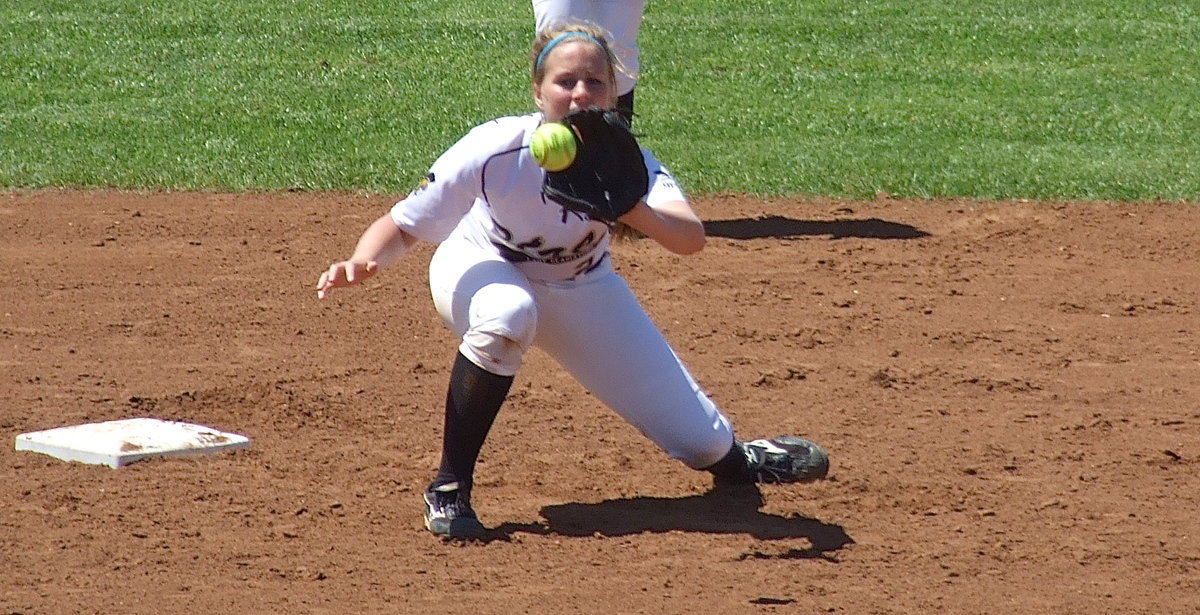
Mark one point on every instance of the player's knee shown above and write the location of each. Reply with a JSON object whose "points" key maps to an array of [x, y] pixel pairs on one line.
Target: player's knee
{"points": [[495, 353], [501, 332]]}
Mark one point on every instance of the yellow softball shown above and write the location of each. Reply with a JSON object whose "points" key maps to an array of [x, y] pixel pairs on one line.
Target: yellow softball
{"points": [[553, 146]]}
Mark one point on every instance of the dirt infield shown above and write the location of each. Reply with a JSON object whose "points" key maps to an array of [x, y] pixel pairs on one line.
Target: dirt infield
{"points": [[1009, 393]]}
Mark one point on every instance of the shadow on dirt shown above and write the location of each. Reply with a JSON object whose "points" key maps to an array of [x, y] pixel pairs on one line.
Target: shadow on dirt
{"points": [[780, 227], [713, 512]]}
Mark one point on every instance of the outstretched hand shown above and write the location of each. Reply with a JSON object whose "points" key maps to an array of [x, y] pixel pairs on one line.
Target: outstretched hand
{"points": [[343, 274]]}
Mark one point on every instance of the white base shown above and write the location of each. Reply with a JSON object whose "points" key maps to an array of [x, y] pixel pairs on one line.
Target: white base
{"points": [[118, 443]]}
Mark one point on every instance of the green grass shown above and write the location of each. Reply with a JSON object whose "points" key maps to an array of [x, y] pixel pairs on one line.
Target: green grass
{"points": [[244, 95], [1090, 99]]}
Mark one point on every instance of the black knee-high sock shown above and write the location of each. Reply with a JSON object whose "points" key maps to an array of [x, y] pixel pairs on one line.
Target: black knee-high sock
{"points": [[472, 403], [733, 468]]}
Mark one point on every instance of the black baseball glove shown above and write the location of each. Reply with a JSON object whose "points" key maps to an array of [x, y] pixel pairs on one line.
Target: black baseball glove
{"points": [[608, 176]]}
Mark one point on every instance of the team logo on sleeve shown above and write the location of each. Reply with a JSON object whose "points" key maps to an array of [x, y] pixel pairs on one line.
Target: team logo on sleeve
{"points": [[423, 184]]}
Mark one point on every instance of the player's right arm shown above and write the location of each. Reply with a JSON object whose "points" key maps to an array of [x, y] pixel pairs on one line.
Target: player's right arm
{"points": [[382, 244], [432, 210]]}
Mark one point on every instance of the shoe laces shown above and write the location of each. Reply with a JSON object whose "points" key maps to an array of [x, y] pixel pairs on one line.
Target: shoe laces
{"points": [[768, 461], [451, 502]]}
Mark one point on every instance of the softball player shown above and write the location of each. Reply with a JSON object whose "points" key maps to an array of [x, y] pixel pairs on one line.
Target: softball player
{"points": [[514, 270], [622, 19]]}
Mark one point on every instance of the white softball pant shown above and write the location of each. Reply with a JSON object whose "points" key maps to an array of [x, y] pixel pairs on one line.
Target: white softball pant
{"points": [[596, 330]]}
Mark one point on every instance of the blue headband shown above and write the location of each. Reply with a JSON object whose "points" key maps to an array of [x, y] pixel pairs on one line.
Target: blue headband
{"points": [[560, 38]]}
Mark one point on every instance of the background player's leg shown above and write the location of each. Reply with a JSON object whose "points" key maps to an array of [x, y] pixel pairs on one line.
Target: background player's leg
{"points": [[624, 19], [625, 106]]}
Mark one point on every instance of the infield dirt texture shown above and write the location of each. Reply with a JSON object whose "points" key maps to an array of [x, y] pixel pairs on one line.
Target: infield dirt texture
{"points": [[1008, 391]]}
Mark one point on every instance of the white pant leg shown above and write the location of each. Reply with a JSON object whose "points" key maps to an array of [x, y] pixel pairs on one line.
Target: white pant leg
{"points": [[486, 301], [599, 332]]}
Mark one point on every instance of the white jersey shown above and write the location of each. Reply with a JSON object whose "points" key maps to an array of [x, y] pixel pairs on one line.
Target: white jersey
{"points": [[514, 270], [487, 189]]}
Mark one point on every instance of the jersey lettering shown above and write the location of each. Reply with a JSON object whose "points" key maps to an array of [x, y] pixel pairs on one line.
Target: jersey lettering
{"points": [[588, 242], [590, 264], [534, 243], [533, 249]]}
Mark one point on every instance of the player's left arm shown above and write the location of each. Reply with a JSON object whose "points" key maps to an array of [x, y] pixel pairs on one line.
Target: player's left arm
{"points": [[664, 213], [673, 224]]}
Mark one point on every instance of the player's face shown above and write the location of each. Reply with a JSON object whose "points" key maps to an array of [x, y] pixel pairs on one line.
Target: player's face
{"points": [[576, 76]]}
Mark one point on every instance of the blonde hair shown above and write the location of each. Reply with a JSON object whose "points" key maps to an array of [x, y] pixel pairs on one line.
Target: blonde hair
{"points": [[564, 30], [558, 32]]}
